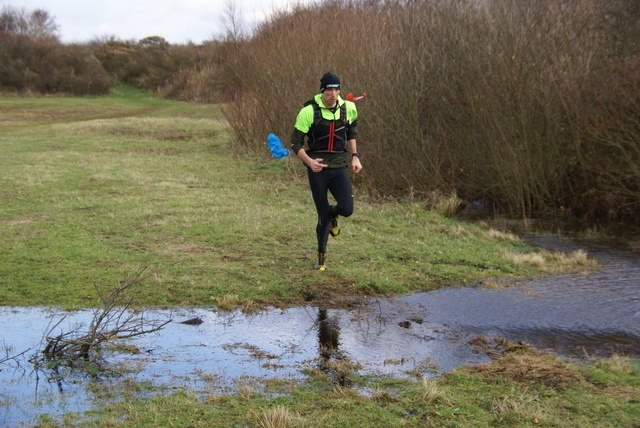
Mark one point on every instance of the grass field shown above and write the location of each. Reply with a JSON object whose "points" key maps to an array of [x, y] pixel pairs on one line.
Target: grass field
{"points": [[95, 190]]}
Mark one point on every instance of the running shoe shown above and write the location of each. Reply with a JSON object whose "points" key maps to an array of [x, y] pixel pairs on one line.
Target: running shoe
{"points": [[335, 227], [320, 263]]}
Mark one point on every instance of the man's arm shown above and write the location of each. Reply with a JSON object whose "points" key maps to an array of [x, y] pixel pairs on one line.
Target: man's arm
{"points": [[356, 166], [316, 165]]}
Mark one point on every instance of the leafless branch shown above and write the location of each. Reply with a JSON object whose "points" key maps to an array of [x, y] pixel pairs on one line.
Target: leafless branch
{"points": [[118, 317], [8, 356]]}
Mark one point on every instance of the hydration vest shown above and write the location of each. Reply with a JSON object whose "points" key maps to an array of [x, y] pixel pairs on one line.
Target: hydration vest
{"points": [[327, 137]]}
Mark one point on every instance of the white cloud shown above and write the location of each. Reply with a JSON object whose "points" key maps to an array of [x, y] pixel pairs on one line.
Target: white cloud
{"points": [[176, 21]]}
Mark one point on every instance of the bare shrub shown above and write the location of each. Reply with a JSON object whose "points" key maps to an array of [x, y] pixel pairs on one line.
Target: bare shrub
{"points": [[144, 64], [36, 24], [34, 60], [46, 66], [197, 73], [530, 105], [118, 317]]}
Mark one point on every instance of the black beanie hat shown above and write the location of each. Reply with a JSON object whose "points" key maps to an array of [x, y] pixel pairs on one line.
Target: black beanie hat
{"points": [[329, 80]]}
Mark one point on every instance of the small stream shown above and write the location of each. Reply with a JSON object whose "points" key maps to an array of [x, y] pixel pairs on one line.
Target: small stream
{"points": [[407, 336]]}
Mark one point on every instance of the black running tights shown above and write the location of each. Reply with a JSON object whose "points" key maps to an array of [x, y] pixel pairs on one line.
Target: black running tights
{"points": [[337, 182]]}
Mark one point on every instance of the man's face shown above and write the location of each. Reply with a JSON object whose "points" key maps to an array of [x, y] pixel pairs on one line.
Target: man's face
{"points": [[330, 96]]}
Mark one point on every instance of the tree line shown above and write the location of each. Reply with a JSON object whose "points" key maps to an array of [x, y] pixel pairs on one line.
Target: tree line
{"points": [[530, 107], [33, 60]]}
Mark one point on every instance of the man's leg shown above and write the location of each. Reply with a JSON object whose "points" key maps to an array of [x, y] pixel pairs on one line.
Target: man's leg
{"points": [[319, 183], [340, 188], [338, 183]]}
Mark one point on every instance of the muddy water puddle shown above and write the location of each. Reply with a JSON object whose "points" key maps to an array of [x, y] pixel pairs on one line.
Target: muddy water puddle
{"points": [[422, 334]]}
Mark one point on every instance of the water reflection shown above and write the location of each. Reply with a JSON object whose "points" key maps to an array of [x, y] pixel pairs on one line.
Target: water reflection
{"points": [[328, 335]]}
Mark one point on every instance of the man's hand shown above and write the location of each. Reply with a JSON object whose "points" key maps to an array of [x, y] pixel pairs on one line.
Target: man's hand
{"points": [[316, 165], [356, 166]]}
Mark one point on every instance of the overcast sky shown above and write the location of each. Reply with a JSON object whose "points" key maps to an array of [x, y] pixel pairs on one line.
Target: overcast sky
{"points": [[178, 21]]}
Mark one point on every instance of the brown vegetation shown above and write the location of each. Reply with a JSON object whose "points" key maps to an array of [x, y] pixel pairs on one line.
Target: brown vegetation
{"points": [[530, 105], [521, 363], [32, 59], [46, 66]]}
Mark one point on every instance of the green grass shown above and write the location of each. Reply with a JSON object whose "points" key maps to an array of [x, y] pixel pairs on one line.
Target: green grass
{"points": [[95, 189], [550, 394]]}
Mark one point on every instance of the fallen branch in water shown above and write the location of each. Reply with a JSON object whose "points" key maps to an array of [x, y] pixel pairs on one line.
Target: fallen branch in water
{"points": [[8, 351], [118, 317]]}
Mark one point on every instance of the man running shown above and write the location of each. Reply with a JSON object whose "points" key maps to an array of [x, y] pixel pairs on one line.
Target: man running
{"points": [[329, 123]]}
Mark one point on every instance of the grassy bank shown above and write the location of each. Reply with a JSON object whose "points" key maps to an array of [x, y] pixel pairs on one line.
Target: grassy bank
{"points": [[521, 389], [96, 189]]}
